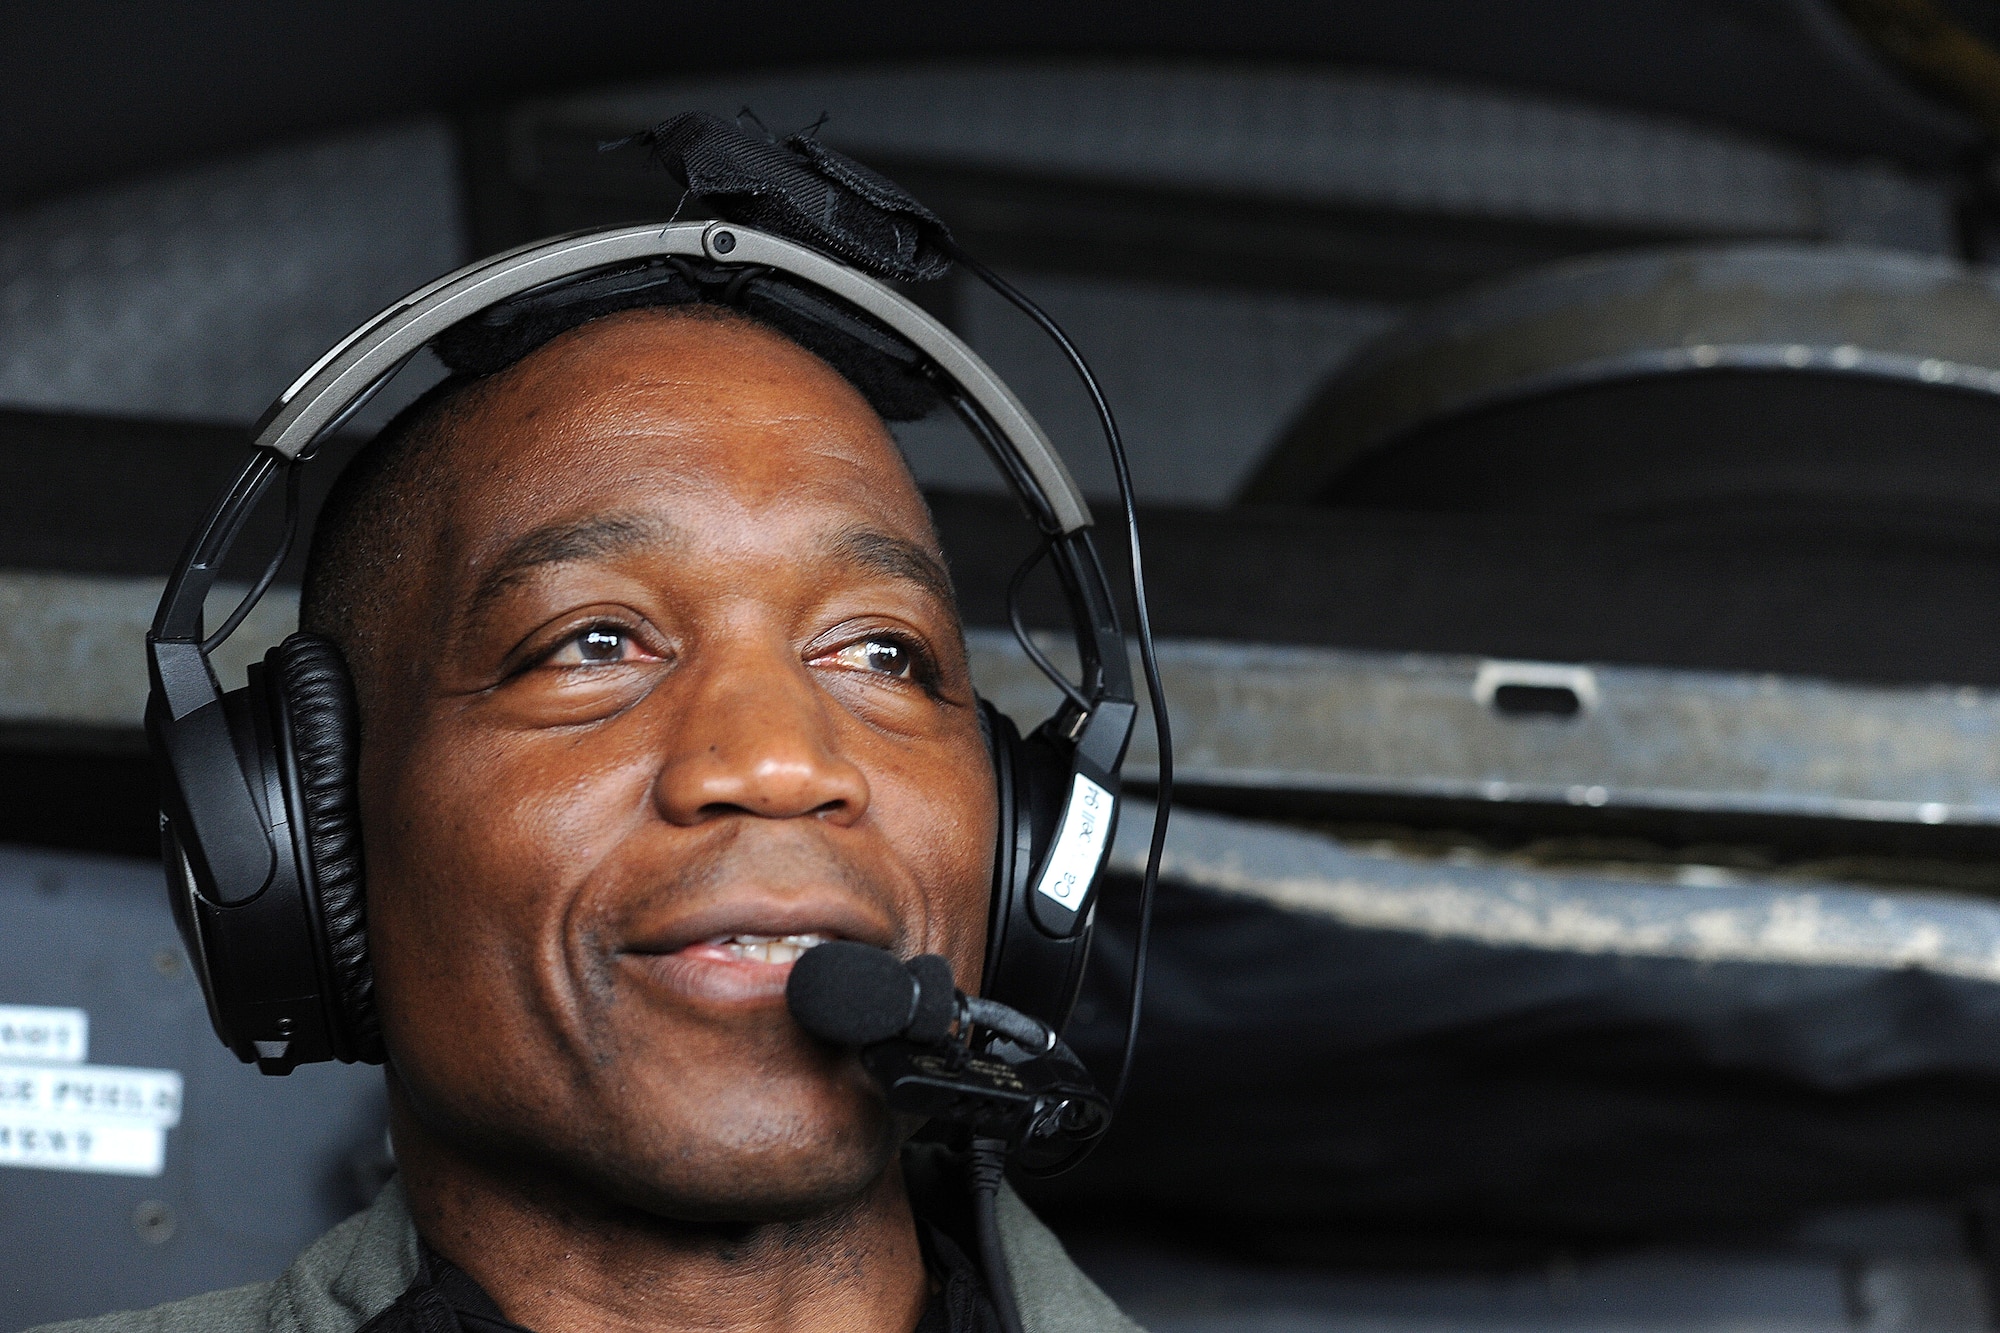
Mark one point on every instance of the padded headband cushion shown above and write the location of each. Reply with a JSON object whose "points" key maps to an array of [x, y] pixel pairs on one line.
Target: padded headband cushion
{"points": [[893, 376], [325, 736]]}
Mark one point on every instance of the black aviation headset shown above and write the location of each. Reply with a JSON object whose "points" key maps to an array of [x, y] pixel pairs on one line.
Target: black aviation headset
{"points": [[260, 824]]}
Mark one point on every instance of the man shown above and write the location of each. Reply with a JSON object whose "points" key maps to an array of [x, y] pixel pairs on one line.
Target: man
{"points": [[661, 682]]}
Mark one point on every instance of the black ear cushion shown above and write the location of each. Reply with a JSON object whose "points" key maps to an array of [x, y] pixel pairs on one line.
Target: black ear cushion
{"points": [[325, 740], [1026, 968], [1003, 743]]}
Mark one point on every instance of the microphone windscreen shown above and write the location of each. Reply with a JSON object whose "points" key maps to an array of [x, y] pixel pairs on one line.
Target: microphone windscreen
{"points": [[851, 994], [937, 999]]}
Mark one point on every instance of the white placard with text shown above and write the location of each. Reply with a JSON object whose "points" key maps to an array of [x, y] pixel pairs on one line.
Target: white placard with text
{"points": [[40, 1032], [92, 1092], [59, 1114]]}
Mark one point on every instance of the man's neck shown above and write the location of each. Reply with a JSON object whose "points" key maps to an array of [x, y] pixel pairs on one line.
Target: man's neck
{"points": [[557, 1262]]}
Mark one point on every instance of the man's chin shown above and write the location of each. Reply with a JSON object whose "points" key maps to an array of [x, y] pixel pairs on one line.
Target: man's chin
{"points": [[712, 1185], [781, 1158], [750, 1162]]}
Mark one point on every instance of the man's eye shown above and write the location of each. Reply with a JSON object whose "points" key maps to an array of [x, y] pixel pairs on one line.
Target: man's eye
{"points": [[884, 656], [600, 645]]}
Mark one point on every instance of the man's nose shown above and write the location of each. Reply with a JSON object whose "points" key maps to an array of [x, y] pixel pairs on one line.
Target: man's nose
{"points": [[756, 735]]}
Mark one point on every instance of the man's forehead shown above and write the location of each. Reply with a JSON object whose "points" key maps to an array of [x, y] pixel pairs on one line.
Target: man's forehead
{"points": [[676, 365], [732, 396], [718, 400], [654, 431]]}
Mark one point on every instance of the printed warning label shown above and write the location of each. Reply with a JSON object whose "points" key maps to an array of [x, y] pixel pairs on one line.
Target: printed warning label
{"points": [[59, 1114], [110, 1149], [91, 1092], [37, 1032]]}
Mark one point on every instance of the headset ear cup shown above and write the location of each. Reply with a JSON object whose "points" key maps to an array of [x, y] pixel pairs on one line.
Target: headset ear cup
{"points": [[324, 737], [1026, 968], [1012, 840]]}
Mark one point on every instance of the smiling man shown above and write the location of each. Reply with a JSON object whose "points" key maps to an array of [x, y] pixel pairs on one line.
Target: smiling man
{"points": [[660, 682]]}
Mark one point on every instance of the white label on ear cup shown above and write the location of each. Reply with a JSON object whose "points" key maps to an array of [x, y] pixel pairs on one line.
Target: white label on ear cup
{"points": [[1079, 846]]}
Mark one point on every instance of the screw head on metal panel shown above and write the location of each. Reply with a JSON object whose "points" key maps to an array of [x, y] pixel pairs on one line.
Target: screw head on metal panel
{"points": [[724, 242], [154, 1222]]}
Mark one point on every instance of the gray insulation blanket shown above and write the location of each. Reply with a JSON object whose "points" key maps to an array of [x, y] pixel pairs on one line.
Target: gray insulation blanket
{"points": [[1348, 1040]]}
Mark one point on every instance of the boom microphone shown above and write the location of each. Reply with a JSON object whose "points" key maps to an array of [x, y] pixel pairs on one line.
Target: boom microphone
{"points": [[854, 995], [941, 1053]]}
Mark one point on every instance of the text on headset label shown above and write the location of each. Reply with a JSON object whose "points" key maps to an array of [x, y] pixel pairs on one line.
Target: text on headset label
{"points": [[1080, 844]]}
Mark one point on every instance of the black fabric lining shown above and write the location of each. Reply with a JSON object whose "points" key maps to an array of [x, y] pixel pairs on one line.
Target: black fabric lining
{"points": [[476, 1311], [420, 1309]]}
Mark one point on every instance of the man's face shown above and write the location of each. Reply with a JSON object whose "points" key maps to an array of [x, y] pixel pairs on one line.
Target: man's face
{"points": [[680, 676]]}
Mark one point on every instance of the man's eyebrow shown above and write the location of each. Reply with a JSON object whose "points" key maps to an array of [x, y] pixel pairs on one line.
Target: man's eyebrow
{"points": [[899, 558], [592, 538]]}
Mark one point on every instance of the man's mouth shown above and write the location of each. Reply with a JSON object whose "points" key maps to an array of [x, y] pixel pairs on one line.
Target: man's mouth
{"points": [[739, 967], [782, 950], [739, 948]]}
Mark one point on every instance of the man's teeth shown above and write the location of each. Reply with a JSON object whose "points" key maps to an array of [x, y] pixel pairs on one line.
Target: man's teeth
{"points": [[768, 948]]}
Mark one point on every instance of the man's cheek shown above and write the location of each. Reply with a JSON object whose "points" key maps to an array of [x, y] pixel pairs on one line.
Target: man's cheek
{"points": [[504, 839], [958, 893]]}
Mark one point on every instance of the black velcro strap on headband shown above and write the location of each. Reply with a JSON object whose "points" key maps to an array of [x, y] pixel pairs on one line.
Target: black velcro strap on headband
{"points": [[801, 189]]}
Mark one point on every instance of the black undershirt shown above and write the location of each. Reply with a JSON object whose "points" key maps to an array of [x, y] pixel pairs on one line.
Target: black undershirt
{"points": [[444, 1299]]}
